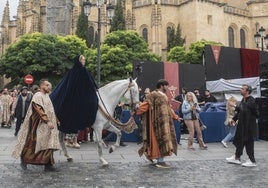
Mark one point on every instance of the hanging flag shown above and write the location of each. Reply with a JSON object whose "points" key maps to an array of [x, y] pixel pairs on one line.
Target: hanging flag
{"points": [[216, 52]]}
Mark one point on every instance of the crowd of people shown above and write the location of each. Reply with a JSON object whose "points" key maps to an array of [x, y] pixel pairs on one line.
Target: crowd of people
{"points": [[39, 113]]}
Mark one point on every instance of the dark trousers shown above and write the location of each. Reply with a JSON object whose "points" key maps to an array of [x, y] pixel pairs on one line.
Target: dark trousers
{"points": [[18, 124], [249, 144]]}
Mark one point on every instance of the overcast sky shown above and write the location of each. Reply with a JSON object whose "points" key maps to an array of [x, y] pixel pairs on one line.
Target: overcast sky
{"points": [[13, 5]]}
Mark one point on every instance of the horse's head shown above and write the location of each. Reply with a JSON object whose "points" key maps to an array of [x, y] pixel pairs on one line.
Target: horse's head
{"points": [[132, 93]]}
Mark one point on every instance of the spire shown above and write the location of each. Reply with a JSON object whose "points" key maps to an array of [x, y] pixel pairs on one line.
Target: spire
{"points": [[6, 15]]}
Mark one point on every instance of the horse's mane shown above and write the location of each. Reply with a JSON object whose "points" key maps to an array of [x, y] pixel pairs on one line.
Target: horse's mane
{"points": [[112, 84]]}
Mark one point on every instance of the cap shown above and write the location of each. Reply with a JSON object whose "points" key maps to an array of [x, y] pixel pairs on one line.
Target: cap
{"points": [[24, 87]]}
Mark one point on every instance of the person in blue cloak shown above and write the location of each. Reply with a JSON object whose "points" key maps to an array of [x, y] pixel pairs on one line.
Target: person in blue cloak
{"points": [[75, 99]]}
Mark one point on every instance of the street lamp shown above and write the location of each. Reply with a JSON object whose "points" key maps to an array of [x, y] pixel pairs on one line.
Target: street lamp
{"points": [[110, 13], [261, 39]]}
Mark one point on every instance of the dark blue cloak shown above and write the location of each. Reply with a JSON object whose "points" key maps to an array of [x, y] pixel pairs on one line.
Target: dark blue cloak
{"points": [[75, 100]]}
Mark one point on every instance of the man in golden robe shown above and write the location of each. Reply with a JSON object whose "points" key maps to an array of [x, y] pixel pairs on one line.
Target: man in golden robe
{"points": [[158, 132], [38, 137]]}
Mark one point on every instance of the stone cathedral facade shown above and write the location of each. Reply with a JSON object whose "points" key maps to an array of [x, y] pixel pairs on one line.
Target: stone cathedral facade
{"points": [[231, 22]]}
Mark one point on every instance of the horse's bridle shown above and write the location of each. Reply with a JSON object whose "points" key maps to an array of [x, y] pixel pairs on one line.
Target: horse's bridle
{"points": [[104, 109]]}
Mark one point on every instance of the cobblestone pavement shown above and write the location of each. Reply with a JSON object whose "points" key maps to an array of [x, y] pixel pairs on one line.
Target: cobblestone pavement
{"points": [[199, 168]]}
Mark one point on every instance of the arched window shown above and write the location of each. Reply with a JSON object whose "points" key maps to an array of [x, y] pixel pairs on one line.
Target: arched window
{"points": [[169, 30], [231, 37], [145, 34], [242, 38], [91, 36]]}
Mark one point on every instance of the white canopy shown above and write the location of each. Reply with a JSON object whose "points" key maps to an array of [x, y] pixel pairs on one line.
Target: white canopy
{"points": [[233, 86]]}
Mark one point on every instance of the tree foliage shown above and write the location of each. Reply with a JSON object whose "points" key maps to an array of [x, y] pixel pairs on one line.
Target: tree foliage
{"points": [[175, 38], [118, 51], [193, 56], [118, 22], [42, 55]]}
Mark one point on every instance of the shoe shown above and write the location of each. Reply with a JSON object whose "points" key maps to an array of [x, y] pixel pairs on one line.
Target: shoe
{"points": [[224, 144], [15, 134], [50, 168], [162, 165], [248, 163], [204, 147], [91, 140], [233, 160], [76, 145], [69, 144], [23, 165], [191, 148], [123, 144]]}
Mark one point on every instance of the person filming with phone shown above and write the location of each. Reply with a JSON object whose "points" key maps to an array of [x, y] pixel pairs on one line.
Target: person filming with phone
{"points": [[190, 110]]}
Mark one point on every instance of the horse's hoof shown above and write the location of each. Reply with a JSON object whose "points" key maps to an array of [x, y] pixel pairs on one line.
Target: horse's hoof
{"points": [[111, 150], [69, 159], [105, 164]]}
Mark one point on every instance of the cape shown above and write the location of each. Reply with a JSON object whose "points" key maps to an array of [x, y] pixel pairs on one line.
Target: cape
{"points": [[75, 99], [45, 138]]}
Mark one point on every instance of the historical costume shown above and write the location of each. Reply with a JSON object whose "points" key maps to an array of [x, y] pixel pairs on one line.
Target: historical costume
{"points": [[6, 101], [75, 99], [158, 132], [36, 141]]}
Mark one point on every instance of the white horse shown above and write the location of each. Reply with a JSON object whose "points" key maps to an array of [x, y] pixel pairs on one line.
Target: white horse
{"points": [[109, 96]]}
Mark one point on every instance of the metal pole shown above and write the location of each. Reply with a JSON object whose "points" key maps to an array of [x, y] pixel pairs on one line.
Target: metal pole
{"points": [[99, 52], [262, 48]]}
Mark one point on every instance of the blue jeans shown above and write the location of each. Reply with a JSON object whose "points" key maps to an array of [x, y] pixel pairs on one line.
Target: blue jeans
{"points": [[230, 130]]}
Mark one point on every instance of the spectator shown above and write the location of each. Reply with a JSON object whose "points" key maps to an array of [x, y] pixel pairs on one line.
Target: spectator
{"points": [[230, 127], [200, 98], [21, 106], [209, 97], [190, 110]]}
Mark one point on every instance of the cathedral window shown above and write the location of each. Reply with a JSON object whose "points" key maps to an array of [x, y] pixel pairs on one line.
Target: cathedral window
{"points": [[145, 34], [169, 31], [231, 37], [242, 38]]}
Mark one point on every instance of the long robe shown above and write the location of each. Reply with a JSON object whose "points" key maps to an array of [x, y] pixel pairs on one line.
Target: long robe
{"points": [[6, 108], [246, 116], [75, 99], [36, 142], [158, 132]]}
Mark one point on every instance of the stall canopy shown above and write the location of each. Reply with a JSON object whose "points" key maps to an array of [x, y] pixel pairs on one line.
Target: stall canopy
{"points": [[232, 87]]}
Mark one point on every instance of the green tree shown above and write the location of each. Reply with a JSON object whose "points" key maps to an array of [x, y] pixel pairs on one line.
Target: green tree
{"points": [[193, 56], [118, 22], [177, 54], [42, 55], [119, 50], [82, 30], [175, 39]]}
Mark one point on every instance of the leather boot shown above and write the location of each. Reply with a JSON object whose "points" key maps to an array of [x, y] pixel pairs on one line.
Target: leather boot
{"points": [[75, 143], [23, 165], [50, 168]]}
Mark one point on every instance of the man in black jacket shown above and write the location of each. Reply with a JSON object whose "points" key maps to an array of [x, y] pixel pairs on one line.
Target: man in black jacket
{"points": [[246, 128], [21, 107]]}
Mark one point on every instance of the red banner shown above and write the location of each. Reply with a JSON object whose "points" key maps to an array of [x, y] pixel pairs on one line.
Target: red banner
{"points": [[216, 52], [171, 74]]}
